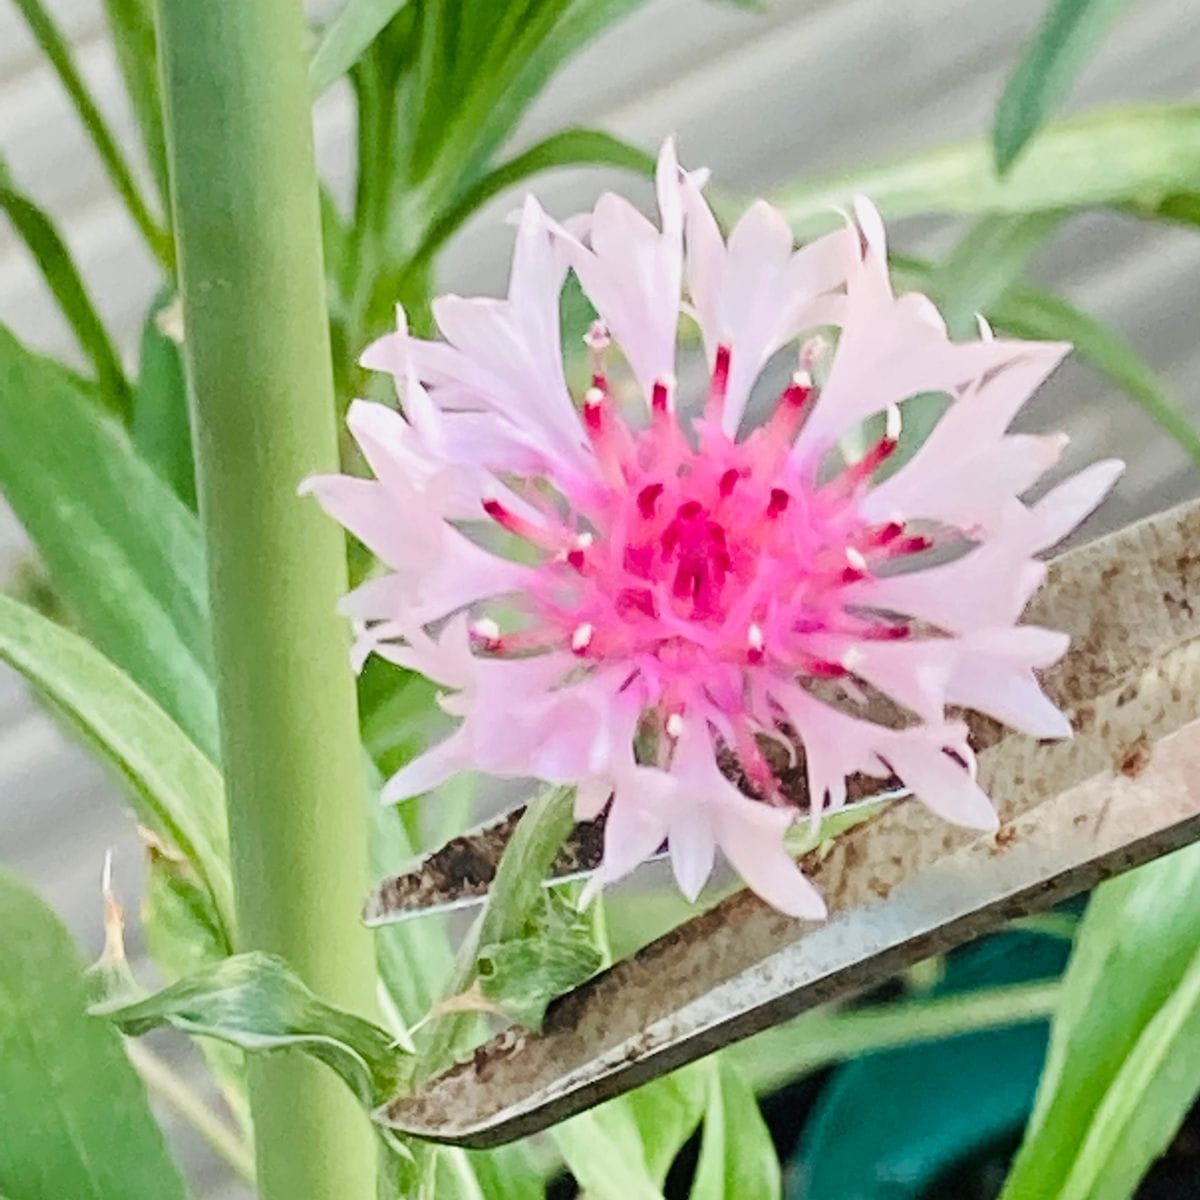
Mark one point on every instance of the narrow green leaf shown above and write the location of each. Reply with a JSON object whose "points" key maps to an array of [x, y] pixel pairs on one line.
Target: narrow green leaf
{"points": [[601, 1148], [1141, 154], [256, 1002], [514, 895], [535, 842], [73, 1112], [623, 1149], [346, 38], [181, 925], [162, 431], [176, 791], [414, 958], [1068, 35], [818, 1039], [506, 1173], [1127, 1001], [567, 148], [54, 260], [49, 37], [1149, 1098], [131, 23], [737, 1156], [120, 547], [985, 263], [534, 56], [666, 1113]]}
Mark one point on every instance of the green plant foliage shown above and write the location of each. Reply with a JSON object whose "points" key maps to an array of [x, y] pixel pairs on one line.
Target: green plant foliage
{"points": [[505, 1174], [256, 1002], [555, 952], [819, 1039], [183, 934], [961, 1094], [414, 958], [1183, 207], [1142, 154], [623, 1149], [73, 1113], [567, 148], [439, 92], [53, 259], [175, 790], [514, 896], [161, 429], [1069, 34], [120, 547], [1124, 1060], [131, 23], [346, 38], [988, 260], [737, 1156], [54, 46]]}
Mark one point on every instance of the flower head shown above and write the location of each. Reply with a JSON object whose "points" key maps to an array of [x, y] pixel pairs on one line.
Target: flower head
{"points": [[665, 607]]}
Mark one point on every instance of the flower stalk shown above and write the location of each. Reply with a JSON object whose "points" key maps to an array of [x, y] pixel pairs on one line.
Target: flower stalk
{"points": [[244, 190]]}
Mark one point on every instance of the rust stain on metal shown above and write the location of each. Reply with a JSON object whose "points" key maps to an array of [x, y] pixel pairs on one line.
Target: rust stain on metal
{"points": [[1136, 756]]}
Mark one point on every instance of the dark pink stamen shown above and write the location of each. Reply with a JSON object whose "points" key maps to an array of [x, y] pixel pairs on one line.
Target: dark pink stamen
{"points": [[822, 668], [720, 383], [647, 499], [660, 398]]}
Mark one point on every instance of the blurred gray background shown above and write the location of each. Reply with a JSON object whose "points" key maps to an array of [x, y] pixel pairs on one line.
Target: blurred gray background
{"points": [[804, 88]]}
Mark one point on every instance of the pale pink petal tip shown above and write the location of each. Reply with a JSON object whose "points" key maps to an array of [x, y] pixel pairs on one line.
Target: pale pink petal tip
{"points": [[634, 589]]}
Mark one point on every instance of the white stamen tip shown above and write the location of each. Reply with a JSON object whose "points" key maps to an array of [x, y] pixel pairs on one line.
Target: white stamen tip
{"points": [[593, 396], [581, 639], [106, 873], [485, 629], [584, 541], [597, 337], [802, 379], [853, 658], [855, 558], [892, 422], [674, 725], [754, 637]]}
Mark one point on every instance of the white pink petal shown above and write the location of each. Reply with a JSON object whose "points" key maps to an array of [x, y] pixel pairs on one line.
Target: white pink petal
{"points": [[639, 608]]}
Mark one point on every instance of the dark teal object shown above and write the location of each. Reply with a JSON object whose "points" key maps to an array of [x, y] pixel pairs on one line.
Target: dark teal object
{"points": [[889, 1125]]}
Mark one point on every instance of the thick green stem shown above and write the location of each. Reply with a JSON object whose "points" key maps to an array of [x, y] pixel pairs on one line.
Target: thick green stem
{"points": [[256, 337]]}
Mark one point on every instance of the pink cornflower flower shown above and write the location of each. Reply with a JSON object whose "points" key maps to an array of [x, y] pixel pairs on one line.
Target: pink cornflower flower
{"points": [[639, 605]]}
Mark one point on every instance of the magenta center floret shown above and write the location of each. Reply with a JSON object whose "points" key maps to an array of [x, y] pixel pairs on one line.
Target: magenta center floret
{"points": [[700, 561]]}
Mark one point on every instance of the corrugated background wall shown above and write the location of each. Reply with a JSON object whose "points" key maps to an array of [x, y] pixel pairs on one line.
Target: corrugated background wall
{"points": [[805, 88]]}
